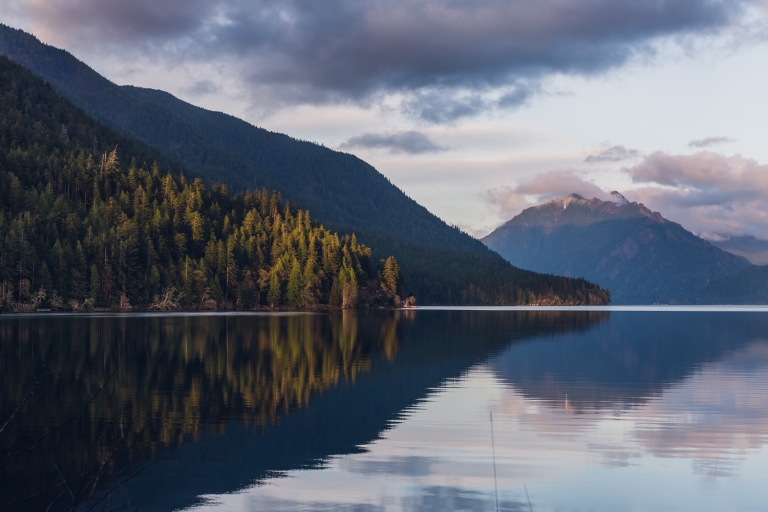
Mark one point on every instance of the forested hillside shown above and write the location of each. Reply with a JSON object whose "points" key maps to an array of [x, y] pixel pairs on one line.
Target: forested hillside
{"points": [[88, 220], [748, 286], [441, 264]]}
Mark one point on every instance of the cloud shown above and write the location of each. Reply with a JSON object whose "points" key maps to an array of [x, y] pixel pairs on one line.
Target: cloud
{"points": [[447, 59], [510, 201], [411, 142], [709, 193], [201, 87], [104, 21], [613, 154], [706, 192], [444, 107], [439, 106], [709, 141], [519, 95]]}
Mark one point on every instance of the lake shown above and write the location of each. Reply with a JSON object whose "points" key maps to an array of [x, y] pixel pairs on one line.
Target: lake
{"points": [[438, 409]]}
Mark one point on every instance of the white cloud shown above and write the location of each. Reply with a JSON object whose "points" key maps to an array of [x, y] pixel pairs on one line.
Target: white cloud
{"points": [[706, 192]]}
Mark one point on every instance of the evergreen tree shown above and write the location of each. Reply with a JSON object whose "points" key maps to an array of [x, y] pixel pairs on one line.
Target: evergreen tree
{"points": [[392, 280], [293, 292], [274, 294]]}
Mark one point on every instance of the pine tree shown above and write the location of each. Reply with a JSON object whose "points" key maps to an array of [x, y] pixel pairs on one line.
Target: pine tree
{"points": [[95, 290], [293, 292], [275, 293], [391, 280]]}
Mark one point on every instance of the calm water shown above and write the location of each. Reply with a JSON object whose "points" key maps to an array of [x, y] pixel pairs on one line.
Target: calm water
{"points": [[387, 411]]}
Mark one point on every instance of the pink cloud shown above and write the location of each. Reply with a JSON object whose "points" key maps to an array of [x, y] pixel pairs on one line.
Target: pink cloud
{"points": [[509, 201], [708, 193]]}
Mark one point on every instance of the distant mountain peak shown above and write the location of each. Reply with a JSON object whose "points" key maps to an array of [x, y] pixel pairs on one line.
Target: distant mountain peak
{"points": [[563, 202], [560, 203], [618, 199], [576, 209]]}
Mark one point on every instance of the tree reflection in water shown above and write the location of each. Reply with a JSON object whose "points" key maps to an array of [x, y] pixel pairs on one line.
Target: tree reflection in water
{"points": [[172, 379]]}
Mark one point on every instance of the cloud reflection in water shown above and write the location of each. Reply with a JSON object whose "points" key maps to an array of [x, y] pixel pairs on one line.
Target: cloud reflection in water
{"points": [[637, 427]]}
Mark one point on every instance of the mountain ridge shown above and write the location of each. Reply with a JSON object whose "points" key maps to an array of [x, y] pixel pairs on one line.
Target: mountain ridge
{"points": [[549, 214]]}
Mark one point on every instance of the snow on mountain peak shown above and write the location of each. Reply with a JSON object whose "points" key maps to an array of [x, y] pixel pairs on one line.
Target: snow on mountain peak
{"points": [[618, 199]]}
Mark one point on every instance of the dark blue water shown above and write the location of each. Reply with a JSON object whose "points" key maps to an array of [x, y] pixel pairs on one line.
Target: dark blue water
{"points": [[591, 410]]}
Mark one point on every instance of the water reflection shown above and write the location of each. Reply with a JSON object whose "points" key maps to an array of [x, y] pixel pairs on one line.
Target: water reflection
{"points": [[389, 410], [239, 397]]}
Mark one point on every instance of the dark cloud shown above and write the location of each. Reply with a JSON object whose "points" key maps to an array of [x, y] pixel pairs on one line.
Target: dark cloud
{"points": [[439, 106], [410, 142], [613, 154], [709, 141], [105, 22], [520, 95], [293, 51], [444, 107]]}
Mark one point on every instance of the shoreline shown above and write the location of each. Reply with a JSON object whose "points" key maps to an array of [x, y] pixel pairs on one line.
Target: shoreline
{"points": [[750, 308]]}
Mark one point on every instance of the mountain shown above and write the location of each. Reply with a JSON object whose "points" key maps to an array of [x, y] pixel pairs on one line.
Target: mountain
{"points": [[639, 255], [81, 229], [440, 263], [754, 249]]}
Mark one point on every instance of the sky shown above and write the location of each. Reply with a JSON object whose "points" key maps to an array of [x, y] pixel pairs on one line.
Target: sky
{"points": [[478, 109]]}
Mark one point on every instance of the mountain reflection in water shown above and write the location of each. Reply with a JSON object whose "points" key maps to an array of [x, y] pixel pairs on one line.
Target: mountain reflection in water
{"points": [[387, 410]]}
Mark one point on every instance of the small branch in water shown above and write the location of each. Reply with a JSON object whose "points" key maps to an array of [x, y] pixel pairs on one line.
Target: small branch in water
{"points": [[530, 507], [493, 451]]}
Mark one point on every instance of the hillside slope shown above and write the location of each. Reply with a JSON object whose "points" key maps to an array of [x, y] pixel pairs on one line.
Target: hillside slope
{"points": [[748, 286], [83, 226], [639, 255], [340, 189]]}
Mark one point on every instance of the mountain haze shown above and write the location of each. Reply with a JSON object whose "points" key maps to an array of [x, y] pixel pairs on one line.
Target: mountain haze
{"points": [[754, 249], [639, 255], [441, 264]]}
